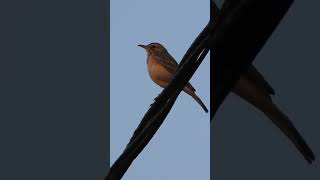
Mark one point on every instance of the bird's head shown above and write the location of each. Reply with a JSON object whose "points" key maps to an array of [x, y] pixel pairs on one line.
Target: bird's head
{"points": [[154, 48]]}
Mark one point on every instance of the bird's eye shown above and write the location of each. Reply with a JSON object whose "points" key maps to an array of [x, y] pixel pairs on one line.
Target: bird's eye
{"points": [[153, 47]]}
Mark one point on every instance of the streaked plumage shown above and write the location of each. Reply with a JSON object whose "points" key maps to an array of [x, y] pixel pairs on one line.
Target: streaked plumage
{"points": [[162, 68]]}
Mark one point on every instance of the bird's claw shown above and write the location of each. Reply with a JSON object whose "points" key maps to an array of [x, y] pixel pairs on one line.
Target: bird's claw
{"points": [[155, 99]]}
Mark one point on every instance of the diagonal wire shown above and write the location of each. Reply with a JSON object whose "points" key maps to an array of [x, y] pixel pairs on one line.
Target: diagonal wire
{"points": [[158, 111]]}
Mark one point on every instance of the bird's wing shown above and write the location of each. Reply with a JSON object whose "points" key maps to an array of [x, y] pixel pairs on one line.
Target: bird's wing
{"points": [[171, 65], [256, 78], [167, 61]]}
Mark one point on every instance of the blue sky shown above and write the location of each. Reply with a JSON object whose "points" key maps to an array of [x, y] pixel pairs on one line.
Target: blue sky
{"points": [[181, 147]]}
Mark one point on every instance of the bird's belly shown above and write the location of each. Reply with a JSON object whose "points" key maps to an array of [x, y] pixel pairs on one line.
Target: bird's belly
{"points": [[158, 73]]}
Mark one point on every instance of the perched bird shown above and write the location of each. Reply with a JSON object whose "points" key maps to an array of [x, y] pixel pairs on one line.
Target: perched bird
{"points": [[162, 68], [257, 91]]}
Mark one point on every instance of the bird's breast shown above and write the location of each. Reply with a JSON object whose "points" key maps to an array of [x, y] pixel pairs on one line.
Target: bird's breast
{"points": [[158, 73]]}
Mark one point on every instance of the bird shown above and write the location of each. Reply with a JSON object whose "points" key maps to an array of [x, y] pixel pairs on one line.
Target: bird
{"points": [[162, 67], [253, 88]]}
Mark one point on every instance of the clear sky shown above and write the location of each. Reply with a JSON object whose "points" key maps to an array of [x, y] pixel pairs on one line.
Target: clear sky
{"points": [[180, 149]]}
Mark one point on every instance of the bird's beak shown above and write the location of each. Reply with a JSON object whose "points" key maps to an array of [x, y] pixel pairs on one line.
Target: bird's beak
{"points": [[143, 46]]}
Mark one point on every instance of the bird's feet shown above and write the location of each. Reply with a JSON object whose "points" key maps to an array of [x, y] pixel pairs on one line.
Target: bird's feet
{"points": [[155, 99]]}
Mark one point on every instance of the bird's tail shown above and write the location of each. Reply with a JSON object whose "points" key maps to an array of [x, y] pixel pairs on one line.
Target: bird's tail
{"points": [[195, 97], [287, 127], [191, 91], [262, 101]]}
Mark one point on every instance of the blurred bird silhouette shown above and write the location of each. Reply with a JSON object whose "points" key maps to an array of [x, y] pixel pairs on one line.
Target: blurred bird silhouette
{"points": [[162, 68], [257, 91]]}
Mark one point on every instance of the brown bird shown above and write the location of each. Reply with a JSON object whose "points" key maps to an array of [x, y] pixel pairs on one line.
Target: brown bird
{"points": [[257, 91], [162, 68]]}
